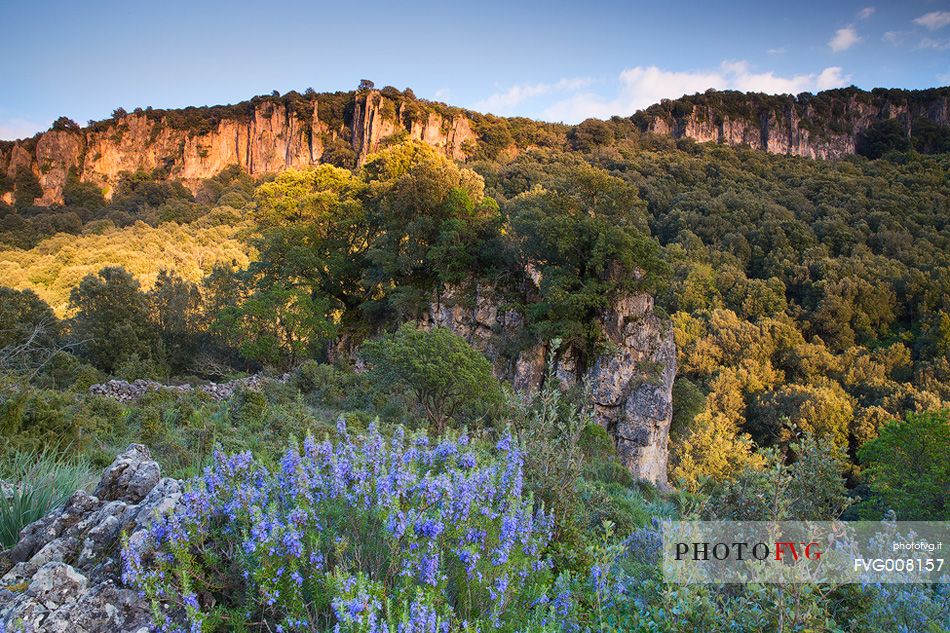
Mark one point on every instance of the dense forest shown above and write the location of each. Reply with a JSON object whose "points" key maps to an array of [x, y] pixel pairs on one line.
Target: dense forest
{"points": [[809, 301]]}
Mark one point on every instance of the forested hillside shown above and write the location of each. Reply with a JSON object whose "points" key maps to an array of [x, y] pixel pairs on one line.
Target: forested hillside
{"points": [[472, 476]]}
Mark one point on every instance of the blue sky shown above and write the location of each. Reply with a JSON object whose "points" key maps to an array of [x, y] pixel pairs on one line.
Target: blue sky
{"points": [[553, 60]]}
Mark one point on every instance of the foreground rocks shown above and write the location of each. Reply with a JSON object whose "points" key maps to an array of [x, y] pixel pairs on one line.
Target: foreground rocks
{"points": [[65, 573], [124, 391]]}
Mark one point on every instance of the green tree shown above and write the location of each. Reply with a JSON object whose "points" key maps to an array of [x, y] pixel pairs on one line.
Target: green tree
{"points": [[450, 380], [23, 315], [174, 304], [111, 323], [77, 193], [275, 325], [882, 137], [30, 334], [587, 237], [907, 468], [825, 412], [27, 187], [430, 220], [929, 137], [314, 235]]}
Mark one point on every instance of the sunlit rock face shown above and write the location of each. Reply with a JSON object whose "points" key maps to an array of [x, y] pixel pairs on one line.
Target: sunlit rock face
{"points": [[270, 134], [263, 136], [827, 125]]}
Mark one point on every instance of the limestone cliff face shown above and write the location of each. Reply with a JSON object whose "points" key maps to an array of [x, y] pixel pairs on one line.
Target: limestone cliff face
{"points": [[630, 388], [826, 125], [265, 135], [268, 134], [270, 140], [377, 118]]}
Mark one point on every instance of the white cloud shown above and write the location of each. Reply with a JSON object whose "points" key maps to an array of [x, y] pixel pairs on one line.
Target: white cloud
{"points": [[504, 102], [643, 86], [832, 77], [15, 128], [742, 78], [776, 51], [934, 20], [934, 45], [895, 38], [944, 78], [844, 39], [442, 94], [866, 12]]}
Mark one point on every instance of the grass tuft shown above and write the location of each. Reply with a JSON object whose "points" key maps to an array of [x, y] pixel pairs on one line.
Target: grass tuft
{"points": [[33, 484]]}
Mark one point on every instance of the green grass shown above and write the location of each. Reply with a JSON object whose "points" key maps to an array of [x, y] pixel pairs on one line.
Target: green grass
{"points": [[35, 484]]}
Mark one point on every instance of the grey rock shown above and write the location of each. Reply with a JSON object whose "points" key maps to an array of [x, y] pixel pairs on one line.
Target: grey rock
{"points": [[631, 387], [64, 575], [56, 584], [123, 391], [130, 477]]}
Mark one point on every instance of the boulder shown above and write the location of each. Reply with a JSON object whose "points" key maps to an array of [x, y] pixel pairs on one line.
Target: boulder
{"points": [[65, 572]]}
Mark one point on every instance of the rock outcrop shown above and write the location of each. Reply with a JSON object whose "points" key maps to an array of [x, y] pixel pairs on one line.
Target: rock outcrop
{"points": [[377, 119], [630, 387], [264, 135], [64, 575], [826, 125]]}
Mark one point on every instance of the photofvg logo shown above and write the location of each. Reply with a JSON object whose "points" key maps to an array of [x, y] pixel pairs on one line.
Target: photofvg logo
{"points": [[741, 551], [804, 552]]}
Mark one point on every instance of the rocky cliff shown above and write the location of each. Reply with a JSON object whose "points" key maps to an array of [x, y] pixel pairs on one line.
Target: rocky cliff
{"points": [[630, 386], [268, 134], [377, 119], [264, 135], [829, 124]]}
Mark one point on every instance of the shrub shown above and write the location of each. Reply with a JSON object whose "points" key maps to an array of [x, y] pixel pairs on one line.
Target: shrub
{"points": [[907, 467], [551, 427], [450, 380], [37, 419], [905, 608], [66, 372], [811, 488], [364, 534]]}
